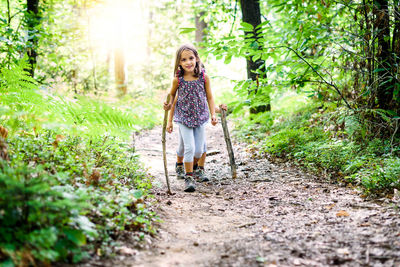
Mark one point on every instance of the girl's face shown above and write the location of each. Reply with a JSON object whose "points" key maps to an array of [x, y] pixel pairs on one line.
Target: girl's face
{"points": [[188, 61]]}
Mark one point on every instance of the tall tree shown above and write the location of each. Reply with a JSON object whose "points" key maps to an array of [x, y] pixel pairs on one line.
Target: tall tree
{"points": [[32, 19], [201, 25], [119, 70], [251, 14], [384, 54]]}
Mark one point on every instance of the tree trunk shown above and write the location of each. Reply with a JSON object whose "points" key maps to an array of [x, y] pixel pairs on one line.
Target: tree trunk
{"points": [[119, 70], [383, 55], [201, 25], [251, 14], [396, 50], [32, 21]]}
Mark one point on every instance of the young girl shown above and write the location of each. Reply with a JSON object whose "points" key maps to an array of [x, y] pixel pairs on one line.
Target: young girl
{"points": [[198, 164], [191, 112]]}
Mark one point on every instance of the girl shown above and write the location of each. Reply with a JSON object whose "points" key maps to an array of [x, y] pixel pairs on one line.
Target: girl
{"points": [[198, 164], [190, 113]]}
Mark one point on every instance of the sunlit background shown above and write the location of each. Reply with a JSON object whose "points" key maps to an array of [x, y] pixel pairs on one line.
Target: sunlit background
{"points": [[121, 24], [129, 25]]}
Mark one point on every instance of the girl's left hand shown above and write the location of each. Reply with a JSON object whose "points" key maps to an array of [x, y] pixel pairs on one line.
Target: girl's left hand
{"points": [[169, 127], [214, 120]]}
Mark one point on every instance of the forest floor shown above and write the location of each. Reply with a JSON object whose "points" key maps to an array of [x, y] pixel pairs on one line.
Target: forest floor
{"points": [[271, 215]]}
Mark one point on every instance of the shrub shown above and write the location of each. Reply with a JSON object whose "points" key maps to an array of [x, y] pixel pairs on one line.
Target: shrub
{"points": [[380, 177], [40, 220], [81, 194]]}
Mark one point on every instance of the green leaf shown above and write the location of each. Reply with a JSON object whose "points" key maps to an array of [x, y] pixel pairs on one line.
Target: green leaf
{"points": [[75, 236], [228, 59], [7, 263], [256, 57], [137, 194], [259, 26], [254, 45], [186, 30], [247, 27], [260, 259], [378, 70]]}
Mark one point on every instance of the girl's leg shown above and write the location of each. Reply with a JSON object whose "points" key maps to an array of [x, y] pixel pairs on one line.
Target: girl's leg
{"points": [[201, 147], [202, 160], [180, 151], [179, 168], [201, 152], [189, 146], [199, 140], [199, 173]]}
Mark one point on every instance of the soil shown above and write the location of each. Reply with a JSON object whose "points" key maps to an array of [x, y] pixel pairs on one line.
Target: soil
{"points": [[270, 215]]}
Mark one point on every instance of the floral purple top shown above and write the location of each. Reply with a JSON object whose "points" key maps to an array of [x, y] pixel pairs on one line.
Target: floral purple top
{"points": [[191, 107]]}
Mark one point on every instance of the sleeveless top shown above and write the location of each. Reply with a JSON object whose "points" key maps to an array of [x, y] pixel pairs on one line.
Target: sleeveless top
{"points": [[191, 107]]}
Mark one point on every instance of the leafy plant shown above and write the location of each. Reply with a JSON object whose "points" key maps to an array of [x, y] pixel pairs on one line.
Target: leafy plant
{"points": [[40, 220]]}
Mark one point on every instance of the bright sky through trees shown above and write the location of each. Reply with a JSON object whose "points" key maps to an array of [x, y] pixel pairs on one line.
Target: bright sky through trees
{"points": [[121, 23]]}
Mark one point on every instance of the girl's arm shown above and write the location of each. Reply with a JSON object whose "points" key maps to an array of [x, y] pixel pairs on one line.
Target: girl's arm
{"points": [[174, 88], [170, 126], [210, 100]]}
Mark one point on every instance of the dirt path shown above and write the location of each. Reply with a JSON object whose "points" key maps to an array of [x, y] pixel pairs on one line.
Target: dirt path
{"points": [[272, 215]]}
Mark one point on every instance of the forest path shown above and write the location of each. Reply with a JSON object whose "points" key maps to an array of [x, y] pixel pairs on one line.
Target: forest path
{"points": [[271, 215]]}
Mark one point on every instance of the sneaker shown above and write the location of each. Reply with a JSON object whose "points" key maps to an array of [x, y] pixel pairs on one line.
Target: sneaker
{"points": [[180, 172], [201, 175], [189, 184]]}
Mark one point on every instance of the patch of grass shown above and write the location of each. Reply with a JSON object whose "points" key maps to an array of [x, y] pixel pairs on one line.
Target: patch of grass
{"points": [[322, 139]]}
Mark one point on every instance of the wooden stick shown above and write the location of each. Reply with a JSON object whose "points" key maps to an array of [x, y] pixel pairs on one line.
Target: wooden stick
{"points": [[163, 141], [228, 143]]}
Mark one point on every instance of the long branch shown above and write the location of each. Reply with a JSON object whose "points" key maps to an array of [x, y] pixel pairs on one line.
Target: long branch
{"points": [[234, 18], [314, 70], [9, 13]]}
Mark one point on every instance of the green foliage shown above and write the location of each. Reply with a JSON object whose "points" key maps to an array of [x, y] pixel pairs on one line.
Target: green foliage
{"points": [[17, 78], [329, 141], [26, 106], [66, 192], [40, 219], [68, 197], [382, 176]]}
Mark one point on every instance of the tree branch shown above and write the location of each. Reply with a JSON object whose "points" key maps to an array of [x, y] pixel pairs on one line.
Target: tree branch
{"points": [[8, 12], [319, 75], [234, 18]]}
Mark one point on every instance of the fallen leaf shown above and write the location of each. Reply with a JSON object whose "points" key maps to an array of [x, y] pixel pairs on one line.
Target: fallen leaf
{"points": [[329, 207], [342, 213], [59, 137], [3, 132]]}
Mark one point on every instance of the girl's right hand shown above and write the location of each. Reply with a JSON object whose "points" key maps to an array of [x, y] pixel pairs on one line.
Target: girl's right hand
{"points": [[169, 127], [167, 106]]}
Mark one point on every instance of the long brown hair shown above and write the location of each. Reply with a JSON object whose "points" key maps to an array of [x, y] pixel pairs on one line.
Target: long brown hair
{"points": [[178, 71]]}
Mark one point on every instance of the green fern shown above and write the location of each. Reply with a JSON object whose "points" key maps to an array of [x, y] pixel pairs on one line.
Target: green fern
{"points": [[17, 77], [24, 106]]}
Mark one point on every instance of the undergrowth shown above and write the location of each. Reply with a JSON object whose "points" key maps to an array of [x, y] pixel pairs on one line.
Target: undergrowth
{"points": [[328, 141], [59, 193], [70, 182]]}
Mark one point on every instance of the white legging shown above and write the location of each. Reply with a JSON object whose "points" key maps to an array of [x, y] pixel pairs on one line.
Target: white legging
{"points": [[191, 142]]}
